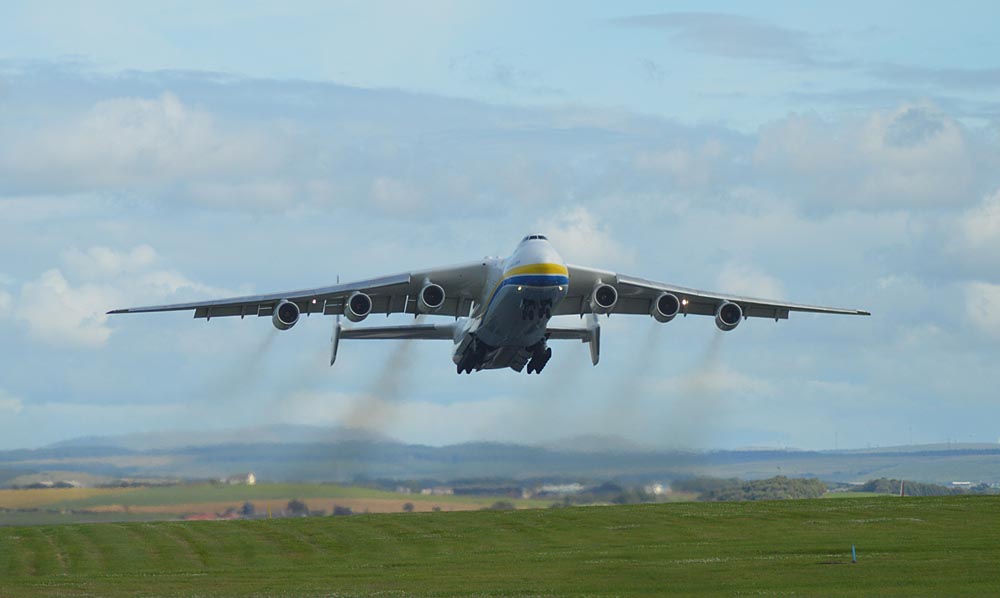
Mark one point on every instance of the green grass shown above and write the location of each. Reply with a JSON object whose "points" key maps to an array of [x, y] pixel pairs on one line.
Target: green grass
{"points": [[839, 495], [46, 517], [906, 547]]}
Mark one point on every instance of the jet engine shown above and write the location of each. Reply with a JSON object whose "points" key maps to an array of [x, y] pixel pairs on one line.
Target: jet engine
{"points": [[728, 316], [358, 306], [603, 298], [286, 314], [431, 298], [666, 307]]}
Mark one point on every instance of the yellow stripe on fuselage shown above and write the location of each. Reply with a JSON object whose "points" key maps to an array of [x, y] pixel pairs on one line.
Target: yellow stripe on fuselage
{"points": [[528, 269], [537, 269]]}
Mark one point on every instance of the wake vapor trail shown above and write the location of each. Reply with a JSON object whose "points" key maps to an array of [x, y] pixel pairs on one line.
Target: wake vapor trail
{"points": [[236, 380], [375, 409], [700, 398], [627, 390]]}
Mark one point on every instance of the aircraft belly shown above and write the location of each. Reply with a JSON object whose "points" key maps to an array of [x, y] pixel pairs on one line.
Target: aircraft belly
{"points": [[505, 325]]}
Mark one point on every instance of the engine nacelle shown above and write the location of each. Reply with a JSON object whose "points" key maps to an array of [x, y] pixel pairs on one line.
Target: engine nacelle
{"points": [[358, 306], [431, 298], [728, 316], [286, 314], [666, 307], [603, 298]]}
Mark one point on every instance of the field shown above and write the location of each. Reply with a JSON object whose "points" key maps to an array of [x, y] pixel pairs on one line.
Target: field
{"points": [[905, 547], [165, 502]]}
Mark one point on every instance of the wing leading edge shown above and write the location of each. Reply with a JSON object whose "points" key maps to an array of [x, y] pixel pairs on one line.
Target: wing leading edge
{"points": [[636, 296], [389, 294]]}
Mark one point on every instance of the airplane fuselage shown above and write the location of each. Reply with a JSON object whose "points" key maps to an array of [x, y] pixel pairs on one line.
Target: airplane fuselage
{"points": [[508, 327]]}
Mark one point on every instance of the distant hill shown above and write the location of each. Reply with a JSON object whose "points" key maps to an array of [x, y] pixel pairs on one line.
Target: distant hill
{"points": [[274, 433], [319, 454]]}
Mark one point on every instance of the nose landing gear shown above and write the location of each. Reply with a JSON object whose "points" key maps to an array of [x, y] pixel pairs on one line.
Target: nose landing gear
{"points": [[531, 308]]}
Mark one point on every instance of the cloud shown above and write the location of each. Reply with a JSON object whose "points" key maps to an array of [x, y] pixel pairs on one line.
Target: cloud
{"points": [[689, 167], [59, 312], [487, 67], [582, 239], [9, 403], [982, 307], [749, 281], [103, 262], [127, 142], [939, 77], [747, 38], [913, 156], [730, 36], [979, 227]]}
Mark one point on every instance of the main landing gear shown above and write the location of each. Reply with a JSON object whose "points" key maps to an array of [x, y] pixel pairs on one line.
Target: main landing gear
{"points": [[541, 356], [473, 357]]}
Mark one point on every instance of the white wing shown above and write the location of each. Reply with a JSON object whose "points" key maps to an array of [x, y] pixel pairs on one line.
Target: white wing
{"points": [[636, 296], [463, 285]]}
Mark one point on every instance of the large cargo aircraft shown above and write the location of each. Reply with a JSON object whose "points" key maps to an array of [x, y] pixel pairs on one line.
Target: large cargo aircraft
{"points": [[502, 308]]}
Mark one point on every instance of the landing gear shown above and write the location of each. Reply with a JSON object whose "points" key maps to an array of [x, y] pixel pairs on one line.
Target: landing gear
{"points": [[541, 356], [473, 358], [531, 308]]}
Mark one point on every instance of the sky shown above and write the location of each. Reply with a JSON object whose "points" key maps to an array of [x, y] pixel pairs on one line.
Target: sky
{"points": [[843, 155]]}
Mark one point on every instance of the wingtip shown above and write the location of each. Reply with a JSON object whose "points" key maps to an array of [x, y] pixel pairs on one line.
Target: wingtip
{"points": [[116, 311]]}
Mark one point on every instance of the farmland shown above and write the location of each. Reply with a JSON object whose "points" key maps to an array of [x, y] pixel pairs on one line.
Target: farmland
{"points": [[165, 502], [908, 546]]}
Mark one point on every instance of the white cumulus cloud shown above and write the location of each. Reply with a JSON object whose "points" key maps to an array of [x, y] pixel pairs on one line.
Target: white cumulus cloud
{"points": [[912, 156], [132, 141], [69, 308], [583, 239], [747, 280]]}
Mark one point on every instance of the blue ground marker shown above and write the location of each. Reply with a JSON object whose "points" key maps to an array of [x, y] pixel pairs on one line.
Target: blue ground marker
{"points": [[854, 554]]}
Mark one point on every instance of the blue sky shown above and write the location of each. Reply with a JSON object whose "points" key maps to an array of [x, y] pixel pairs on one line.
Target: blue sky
{"points": [[837, 155]]}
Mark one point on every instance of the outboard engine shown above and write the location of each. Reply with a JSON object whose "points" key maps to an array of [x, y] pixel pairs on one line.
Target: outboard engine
{"points": [[431, 298], [728, 316], [603, 298], [666, 307], [286, 314], [358, 306]]}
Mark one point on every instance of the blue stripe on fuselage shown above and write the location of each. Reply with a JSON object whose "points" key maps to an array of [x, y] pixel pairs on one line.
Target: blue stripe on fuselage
{"points": [[528, 280]]}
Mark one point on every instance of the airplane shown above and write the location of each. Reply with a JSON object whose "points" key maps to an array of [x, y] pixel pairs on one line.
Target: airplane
{"points": [[502, 308]]}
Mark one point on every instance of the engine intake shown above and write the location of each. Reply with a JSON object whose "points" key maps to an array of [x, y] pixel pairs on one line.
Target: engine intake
{"points": [[286, 314], [603, 299], [431, 298], [359, 305], [728, 316], [666, 307]]}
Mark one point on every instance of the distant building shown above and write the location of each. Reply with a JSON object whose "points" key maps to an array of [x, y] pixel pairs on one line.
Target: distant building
{"points": [[437, 491], [657, 489], [573, 488], [248, 479]]}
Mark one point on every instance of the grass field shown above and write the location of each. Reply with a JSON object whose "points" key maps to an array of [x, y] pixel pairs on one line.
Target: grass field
{"points": [[906, 547]]}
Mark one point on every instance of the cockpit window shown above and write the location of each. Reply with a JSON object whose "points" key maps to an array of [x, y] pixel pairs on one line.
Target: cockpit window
{"points": [[533, 237]]}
